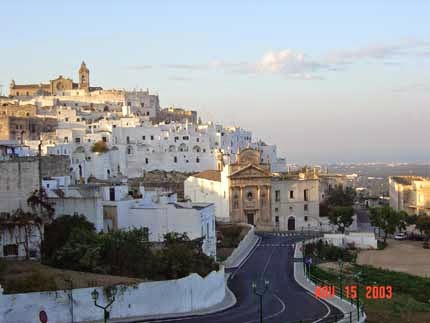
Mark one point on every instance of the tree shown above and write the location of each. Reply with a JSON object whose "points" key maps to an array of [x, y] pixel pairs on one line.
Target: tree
{"points": [[42, 209], [99, 147], [341, 216], [58, 232], [388, 219], [423, 224], [339, 196], [21, 226]]}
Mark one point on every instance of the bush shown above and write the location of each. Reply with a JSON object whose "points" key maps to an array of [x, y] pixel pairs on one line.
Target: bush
{"points": [[231, 236], [381, 244], [99, 147], [328, 252]]}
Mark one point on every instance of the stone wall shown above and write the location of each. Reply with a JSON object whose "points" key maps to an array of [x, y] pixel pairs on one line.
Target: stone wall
{"points": [[19, 177], [191, 293]]}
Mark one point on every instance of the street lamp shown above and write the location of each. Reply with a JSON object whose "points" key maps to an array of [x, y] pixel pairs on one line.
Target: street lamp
{"points": [[260, 293], [357, 277], [340, 264], [95, 296]]}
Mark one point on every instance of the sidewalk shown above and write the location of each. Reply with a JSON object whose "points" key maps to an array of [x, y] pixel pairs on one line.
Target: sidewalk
{"points": [[299, 275]]}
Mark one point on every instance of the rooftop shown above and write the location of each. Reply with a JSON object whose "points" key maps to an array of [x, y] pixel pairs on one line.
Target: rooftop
{"points": [[211, 175], [407, 180]]}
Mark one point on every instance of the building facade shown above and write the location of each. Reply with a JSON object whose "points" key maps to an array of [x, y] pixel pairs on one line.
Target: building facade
{"points": [[410, 194]]}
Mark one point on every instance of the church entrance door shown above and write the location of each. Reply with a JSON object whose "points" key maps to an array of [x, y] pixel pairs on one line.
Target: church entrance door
{"points": [[250, 218], [291, 224]]}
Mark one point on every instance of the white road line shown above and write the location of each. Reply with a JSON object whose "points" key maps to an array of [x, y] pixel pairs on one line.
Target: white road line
{"points": [[274, 314], [328, 308], [246, 259]]}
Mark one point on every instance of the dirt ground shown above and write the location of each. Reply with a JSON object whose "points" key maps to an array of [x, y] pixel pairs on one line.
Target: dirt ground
{"points": [[22, 269], [405, 256]]}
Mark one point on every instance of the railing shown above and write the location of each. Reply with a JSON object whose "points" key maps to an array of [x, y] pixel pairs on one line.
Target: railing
{"points": [[349, 317]]}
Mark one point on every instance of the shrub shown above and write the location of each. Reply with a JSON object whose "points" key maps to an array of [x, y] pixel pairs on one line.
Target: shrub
{"points": [[99, 147]]}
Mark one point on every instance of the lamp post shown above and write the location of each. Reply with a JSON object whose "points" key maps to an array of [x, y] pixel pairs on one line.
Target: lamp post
{"points": [[357, 277], [95, 296], [340, 264], [260, 293]]}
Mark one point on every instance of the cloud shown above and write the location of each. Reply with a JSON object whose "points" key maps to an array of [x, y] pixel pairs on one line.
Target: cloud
{"points": [[375, 51], [139, 67], [298, 65]]}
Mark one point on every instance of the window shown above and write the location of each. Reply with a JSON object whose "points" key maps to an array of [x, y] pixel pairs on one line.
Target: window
{"points": [[143, 137], [306, 195], [290, 208], [66, 119], [66, 139], [305, 207], [291, 194], [142, 104], [249, 196], [198, 139], [77, 140], [146, 160], [277, 195], [306, 218], [175, 159], [129, 151], [152, 137], [185, 138], [104, 139], [145, 233], [10, 250], [197, 160], [277, 219], [276, 209], [128, 139]]}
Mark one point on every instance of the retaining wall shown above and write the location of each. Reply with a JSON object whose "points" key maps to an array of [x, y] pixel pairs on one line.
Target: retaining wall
{"points": [[191, 293]]}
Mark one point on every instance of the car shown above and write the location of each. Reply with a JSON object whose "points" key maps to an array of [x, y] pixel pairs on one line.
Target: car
{"points": [[401, 236]]}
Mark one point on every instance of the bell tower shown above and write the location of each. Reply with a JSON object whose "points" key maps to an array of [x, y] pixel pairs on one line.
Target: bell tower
{"points": [[84, 77]]}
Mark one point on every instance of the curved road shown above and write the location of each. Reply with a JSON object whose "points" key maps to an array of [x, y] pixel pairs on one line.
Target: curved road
{"points": [[284, 301]]}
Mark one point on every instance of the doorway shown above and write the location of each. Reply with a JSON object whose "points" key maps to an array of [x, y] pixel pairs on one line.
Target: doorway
{"points": [[291, 224], [250, 218]]}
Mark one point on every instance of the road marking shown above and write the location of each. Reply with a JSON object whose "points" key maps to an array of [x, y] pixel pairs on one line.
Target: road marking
{"points": [[328, 308], [274, 314], [246, 258]]}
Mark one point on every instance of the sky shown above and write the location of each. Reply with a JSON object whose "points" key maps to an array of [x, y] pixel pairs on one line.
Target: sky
{"points": [[326, 81]]}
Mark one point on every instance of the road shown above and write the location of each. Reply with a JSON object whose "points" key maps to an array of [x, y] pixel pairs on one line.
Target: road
{"points": [[284, 301]]}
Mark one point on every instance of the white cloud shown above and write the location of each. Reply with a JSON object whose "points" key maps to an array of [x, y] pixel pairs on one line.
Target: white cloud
{"points": [[297, 65]]}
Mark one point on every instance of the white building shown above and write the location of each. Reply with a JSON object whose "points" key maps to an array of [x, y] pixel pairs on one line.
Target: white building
{"points": [[295, 202], [159, 217]]}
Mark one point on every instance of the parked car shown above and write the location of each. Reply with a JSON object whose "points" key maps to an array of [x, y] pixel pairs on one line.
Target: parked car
{"points": [[401, 236]]}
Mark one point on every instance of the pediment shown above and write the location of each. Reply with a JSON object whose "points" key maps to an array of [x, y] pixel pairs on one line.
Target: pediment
{"points": [[250, 171]]}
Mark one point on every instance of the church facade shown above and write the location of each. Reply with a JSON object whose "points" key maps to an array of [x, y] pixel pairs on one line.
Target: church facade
{"points": [[57, 85], [246, 191]]}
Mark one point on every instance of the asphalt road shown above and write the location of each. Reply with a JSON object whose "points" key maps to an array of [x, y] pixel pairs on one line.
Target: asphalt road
{"points": [[284, 300]]}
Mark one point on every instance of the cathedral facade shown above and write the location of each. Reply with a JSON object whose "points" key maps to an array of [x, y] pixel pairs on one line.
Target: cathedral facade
{"points": [[58, 85]]}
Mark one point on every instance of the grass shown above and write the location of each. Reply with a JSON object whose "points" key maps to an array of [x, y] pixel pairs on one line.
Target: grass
{"points": [[410, 293], [31, 276]]}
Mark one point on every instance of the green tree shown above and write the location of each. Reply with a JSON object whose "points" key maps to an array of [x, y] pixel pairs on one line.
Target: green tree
{"points": [[341, 216], [388, 219], [423, 224], [58, 233], [340, 196]]}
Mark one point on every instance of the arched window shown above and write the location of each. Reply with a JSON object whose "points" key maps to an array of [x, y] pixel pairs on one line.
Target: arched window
{"points": [[197, 160], [128, 139], [249, 196]]}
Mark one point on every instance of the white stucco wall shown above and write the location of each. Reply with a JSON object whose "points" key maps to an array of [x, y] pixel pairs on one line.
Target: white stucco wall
{"points": [[153, 298], [362, 240]]}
